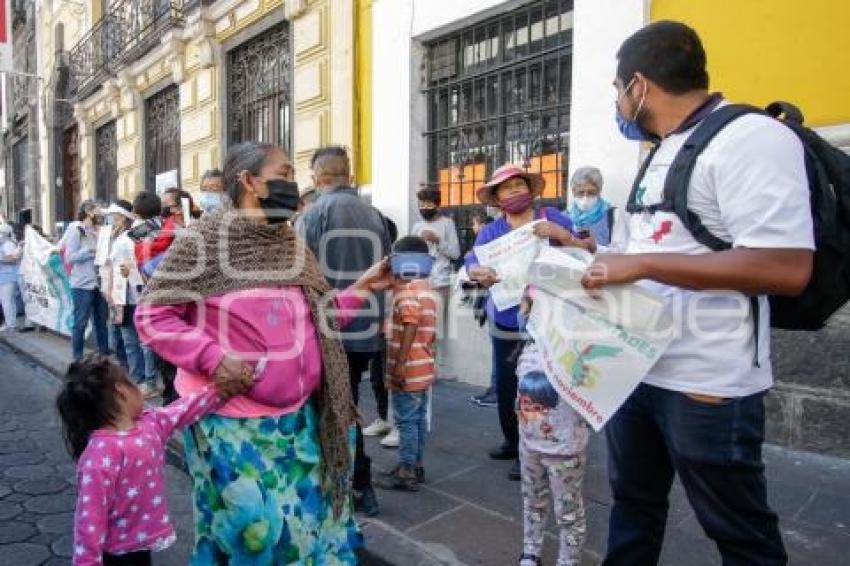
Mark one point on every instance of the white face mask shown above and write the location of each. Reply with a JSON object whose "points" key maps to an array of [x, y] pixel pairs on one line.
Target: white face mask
{"points": [[586, 203]]}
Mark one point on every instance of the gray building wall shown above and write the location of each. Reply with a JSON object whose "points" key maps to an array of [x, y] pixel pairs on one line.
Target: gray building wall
{"points": [[809, 408]]}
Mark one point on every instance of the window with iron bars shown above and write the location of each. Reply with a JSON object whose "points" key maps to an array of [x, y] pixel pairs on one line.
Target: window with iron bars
{"points": [[499, 92]]}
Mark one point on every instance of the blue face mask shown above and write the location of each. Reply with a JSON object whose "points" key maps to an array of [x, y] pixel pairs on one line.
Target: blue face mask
{"points": [[630, 129], [210, 202]]}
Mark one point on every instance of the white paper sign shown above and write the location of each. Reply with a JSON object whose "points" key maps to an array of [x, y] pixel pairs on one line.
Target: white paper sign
{"points": [[594, 355], [104, 239], [187, 211], [45, 287], [167, 180], [510, 256]]}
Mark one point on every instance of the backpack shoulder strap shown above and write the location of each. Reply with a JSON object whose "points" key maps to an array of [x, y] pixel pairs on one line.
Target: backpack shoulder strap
{"points": [[679, 175], [611, 212], [632, 205]]}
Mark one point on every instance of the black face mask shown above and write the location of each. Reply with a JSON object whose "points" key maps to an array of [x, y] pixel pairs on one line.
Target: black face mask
{"points": [[428, 213], [282, 201]]}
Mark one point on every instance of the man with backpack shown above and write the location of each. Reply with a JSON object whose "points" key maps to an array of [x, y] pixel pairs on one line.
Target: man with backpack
{"points": [[714, 231]]}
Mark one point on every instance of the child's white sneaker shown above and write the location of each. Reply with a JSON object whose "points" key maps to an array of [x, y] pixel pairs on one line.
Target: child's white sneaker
{"points": [[379, 427], [391, 440]]}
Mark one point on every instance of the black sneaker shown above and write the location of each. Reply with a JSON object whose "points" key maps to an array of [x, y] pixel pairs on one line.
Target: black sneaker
{"points": [[487, 399], [405, 479], [504, 452], [366, 502]]}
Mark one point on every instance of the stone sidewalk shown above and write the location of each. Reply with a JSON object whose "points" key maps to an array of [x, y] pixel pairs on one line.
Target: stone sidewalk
{"points": [[469, 513]]}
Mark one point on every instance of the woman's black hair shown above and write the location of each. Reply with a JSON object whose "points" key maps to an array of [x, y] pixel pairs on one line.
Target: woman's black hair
{"points": [[147, 205], [246, 156], [89, 399]]}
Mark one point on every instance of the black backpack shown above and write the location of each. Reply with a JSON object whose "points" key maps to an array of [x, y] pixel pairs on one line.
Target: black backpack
{"points": [[828, 170]]}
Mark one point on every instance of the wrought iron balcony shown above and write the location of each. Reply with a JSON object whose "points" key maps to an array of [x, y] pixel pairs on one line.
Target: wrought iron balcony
{"points": [[125, 33]]}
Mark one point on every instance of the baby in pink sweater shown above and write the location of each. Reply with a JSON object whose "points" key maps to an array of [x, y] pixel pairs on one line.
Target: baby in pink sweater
{"points": [[119, 445]]}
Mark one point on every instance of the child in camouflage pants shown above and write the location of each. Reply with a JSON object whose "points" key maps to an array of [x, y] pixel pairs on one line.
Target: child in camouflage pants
{"points": [[553, 438]]}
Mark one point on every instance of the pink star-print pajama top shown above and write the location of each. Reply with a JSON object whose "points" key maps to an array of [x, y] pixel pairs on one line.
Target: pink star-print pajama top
{"points": [[121, 503]]}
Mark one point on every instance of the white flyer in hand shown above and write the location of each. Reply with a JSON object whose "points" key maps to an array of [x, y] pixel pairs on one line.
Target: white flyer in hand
{"points": [[510, 257], [595, 352], [104, 239]]}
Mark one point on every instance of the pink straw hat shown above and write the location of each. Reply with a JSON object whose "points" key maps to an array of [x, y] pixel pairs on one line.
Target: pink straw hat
{"points": [[487, 193]]}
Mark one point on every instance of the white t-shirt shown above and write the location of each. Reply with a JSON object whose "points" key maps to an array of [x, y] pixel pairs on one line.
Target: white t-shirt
{"points": [[444, 251], [748, 187]]}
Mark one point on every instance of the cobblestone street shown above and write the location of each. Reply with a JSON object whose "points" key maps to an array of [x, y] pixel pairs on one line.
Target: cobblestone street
{"points": [[464, 488]]}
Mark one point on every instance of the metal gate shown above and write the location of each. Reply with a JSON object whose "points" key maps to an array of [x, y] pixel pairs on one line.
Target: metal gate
{"points": [[259, 106], [106, 163], [499, 92], [162, 134]]}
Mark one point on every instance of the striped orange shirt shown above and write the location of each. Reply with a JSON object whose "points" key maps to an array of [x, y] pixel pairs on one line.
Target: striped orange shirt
{"points": [[414, 303]]}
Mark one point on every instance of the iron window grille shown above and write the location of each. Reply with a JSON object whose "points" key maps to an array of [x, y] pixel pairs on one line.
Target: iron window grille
{"points": [[499, 92], [162, 134], [106, 163], [259, 104]]}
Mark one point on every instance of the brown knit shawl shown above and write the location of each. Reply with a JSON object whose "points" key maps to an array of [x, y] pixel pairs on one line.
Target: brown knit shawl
{"points": [[228, 251]]}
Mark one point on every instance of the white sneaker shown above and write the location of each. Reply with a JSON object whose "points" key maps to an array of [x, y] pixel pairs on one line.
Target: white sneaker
{"points": [[379, 427], [391, 440]]}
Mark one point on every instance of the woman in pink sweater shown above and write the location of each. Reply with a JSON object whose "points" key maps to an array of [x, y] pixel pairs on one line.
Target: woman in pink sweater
{"points": [[237, 293]]}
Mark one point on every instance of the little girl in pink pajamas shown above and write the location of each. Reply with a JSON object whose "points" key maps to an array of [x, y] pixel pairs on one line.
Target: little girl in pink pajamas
{"points": [[121, 514]]}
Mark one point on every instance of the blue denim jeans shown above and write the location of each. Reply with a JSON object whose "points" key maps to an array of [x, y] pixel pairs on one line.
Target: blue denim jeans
{"points": [[151, 371], [715, 448], [124, 341], [411, 418], [89, 304]]}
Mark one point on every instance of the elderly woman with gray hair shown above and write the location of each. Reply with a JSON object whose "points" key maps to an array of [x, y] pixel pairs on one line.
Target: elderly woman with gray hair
{"points": [[589, 212]]}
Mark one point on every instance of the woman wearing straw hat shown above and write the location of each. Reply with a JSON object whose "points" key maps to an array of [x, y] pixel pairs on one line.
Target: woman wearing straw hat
{"points": [[513, 190]]}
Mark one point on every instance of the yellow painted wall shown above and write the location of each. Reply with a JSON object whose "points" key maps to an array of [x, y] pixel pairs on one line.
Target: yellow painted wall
{"points": [[363, 92], [763, 50]]}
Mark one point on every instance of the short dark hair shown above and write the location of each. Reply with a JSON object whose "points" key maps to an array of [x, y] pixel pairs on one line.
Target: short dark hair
{"points": [[124, 204], [180, 194], [85, 209], [331, 161], [212, 174], [411, 244], [428, 194], [668, 53], [147, 205]]}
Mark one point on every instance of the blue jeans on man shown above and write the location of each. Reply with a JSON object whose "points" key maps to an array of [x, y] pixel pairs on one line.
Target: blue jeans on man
{"points": [[127, 347], [89, 304], [411, 417], [715, 448]]}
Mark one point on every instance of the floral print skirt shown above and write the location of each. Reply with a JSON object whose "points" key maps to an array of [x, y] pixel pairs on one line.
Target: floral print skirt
{"points": [[256, 486]]}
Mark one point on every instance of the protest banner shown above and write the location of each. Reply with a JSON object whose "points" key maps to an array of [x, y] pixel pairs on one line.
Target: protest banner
{"points": [[510, 257], [595, 350], [44, 285]]}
